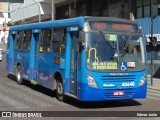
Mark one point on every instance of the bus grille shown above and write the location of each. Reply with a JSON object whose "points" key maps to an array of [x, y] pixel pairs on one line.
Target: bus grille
{"points": [[118, 78]]}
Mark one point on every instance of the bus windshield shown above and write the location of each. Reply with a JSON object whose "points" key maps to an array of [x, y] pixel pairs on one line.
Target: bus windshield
{"points": [[107, 51]]}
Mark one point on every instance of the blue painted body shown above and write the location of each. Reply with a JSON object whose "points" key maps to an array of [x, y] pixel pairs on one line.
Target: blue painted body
{"points": [[41, 67], [88, 93], [145, 23]]}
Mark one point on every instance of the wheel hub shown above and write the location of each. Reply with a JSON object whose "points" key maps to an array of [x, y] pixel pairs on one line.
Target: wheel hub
{"points": [[60, 89], [18, 75]]}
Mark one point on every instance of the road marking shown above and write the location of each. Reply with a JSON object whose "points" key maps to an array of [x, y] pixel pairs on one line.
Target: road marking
{"points": [[12, 102], [38, 94]]}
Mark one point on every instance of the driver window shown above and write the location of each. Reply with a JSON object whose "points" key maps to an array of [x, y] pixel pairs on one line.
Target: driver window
{"points": [[130, 52], [131, 49]]}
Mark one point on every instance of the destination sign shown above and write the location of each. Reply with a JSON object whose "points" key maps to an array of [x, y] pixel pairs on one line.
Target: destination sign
{"points": [[104, 65], [115, 26], [122, 26]]}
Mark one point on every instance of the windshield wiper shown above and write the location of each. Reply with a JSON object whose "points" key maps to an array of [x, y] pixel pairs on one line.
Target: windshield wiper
{"points": [[103, 35]]}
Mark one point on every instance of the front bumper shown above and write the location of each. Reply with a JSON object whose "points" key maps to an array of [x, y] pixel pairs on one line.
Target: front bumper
{"points": [[92, 94]]}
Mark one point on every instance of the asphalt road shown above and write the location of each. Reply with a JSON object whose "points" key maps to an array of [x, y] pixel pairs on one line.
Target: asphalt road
{"points": [[27, 97]]}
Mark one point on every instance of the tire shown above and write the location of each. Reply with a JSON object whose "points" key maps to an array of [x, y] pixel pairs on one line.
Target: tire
{"points": [[60, 91], [19, 75]]}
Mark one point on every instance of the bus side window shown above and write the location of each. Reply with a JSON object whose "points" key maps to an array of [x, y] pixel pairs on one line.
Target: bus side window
{"points": [[19, 40], [27, 40], [58, 41], [46, 40]]}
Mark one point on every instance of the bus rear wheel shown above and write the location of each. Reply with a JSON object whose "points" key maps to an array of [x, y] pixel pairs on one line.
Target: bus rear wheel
{"points": [[19, 75], [59, 91]]}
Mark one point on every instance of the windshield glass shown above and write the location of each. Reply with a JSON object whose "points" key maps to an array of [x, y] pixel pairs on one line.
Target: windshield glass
{"points": [[114, 52]]}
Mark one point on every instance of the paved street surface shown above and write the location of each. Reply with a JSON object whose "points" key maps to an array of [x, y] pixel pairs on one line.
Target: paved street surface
{"points": [[14, 97], [3, 47]]}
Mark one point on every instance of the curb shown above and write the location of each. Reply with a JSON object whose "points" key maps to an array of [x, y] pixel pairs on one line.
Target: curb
{"points": [[153, 88]]}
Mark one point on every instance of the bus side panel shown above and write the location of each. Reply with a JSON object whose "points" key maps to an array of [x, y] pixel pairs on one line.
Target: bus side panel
{"points": [[7, 60], [47, 67], [10, 55], [22, 57], [26, 62], [43, 69]]}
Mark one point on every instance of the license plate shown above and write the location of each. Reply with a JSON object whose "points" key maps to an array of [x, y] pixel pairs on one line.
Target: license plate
{"points": [[118, 93]]}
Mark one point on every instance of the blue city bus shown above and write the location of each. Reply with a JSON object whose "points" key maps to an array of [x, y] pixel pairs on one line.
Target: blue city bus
{"points": [[87, 58]]}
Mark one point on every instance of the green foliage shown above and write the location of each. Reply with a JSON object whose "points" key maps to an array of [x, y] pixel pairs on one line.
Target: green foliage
{"points": [[9, 24]]}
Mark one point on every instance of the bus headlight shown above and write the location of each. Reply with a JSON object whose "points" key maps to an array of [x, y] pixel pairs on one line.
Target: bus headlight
{"points": [[91, 81], [143, 80]]}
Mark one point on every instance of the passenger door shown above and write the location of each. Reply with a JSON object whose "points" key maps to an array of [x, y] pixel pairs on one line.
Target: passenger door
{"points": [[73, 64], [36, 42]]}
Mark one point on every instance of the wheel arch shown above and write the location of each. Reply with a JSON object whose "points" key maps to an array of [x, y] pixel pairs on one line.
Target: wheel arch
{"points": [[19, 74], [19, 64], [57, 76]]}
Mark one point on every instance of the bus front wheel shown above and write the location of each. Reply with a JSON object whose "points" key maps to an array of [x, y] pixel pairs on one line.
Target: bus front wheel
{"points": [[19, 75], [59, 90]]}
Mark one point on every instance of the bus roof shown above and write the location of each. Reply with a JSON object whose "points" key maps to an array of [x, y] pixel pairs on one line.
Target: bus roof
{"points": [[78, 21]]}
